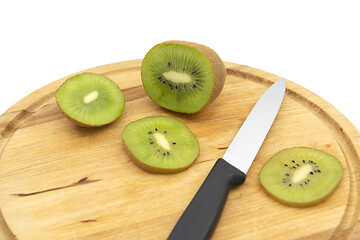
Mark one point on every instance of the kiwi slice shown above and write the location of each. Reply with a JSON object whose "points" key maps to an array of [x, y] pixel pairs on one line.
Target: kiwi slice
{"points": [[161, 144], [182, 76], [90, 100], [301, 176]]}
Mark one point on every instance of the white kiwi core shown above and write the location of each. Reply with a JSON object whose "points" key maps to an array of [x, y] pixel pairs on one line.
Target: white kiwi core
{"points": [[162, 141], [301, 173], [92, 96], [177, 77]]}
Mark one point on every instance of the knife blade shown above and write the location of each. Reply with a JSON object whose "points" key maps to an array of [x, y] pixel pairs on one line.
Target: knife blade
{"points": [[202, 214]]}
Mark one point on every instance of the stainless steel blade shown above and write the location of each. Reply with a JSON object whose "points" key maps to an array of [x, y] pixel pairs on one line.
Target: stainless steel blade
{"points": [[247, 142]]}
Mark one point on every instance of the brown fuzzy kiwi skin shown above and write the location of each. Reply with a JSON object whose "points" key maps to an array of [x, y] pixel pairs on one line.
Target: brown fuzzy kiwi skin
{"points": [[156, 170], [217, 66], [300, 205]]}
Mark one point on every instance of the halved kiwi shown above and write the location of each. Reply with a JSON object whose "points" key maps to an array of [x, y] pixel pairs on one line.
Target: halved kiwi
{"points": [[182, 76], [90, 100], [301, 176], [161, 144]]}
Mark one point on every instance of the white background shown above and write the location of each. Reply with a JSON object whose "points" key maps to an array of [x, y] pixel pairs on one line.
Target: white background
{"points": [[313, 43]]}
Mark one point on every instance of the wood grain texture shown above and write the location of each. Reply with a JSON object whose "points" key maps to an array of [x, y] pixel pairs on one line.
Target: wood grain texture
{"points": [[60, 181]]}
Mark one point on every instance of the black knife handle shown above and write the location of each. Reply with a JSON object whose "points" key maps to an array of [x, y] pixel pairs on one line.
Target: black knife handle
{"points": [[202, 214]]}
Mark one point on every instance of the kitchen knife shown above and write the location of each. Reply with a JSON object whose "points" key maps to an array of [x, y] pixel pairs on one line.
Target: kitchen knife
{"points": [[202, 214]]}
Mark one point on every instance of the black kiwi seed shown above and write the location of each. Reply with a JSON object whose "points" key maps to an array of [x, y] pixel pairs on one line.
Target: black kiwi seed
{"points": [[194, 85], [319, 171], [290, 185], [287, 174], [293, 161], [168, 63], [311, 173], [285, 165], [151, 142], [156, 129], [193, 72], [297, 165], [174, 143], [150, 132], [303, 161]]}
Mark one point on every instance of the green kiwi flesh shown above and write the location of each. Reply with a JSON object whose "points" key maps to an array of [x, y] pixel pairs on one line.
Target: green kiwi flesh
{"points": [[161, 144], [300, 176], [182, 76], [90, 100]]}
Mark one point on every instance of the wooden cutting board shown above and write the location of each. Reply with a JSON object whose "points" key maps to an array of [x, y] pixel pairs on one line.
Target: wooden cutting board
{"points": [[60, 181]]}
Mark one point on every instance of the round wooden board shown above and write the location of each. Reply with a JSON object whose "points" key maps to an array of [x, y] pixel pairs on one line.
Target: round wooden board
{"points": [[60, 181]]}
